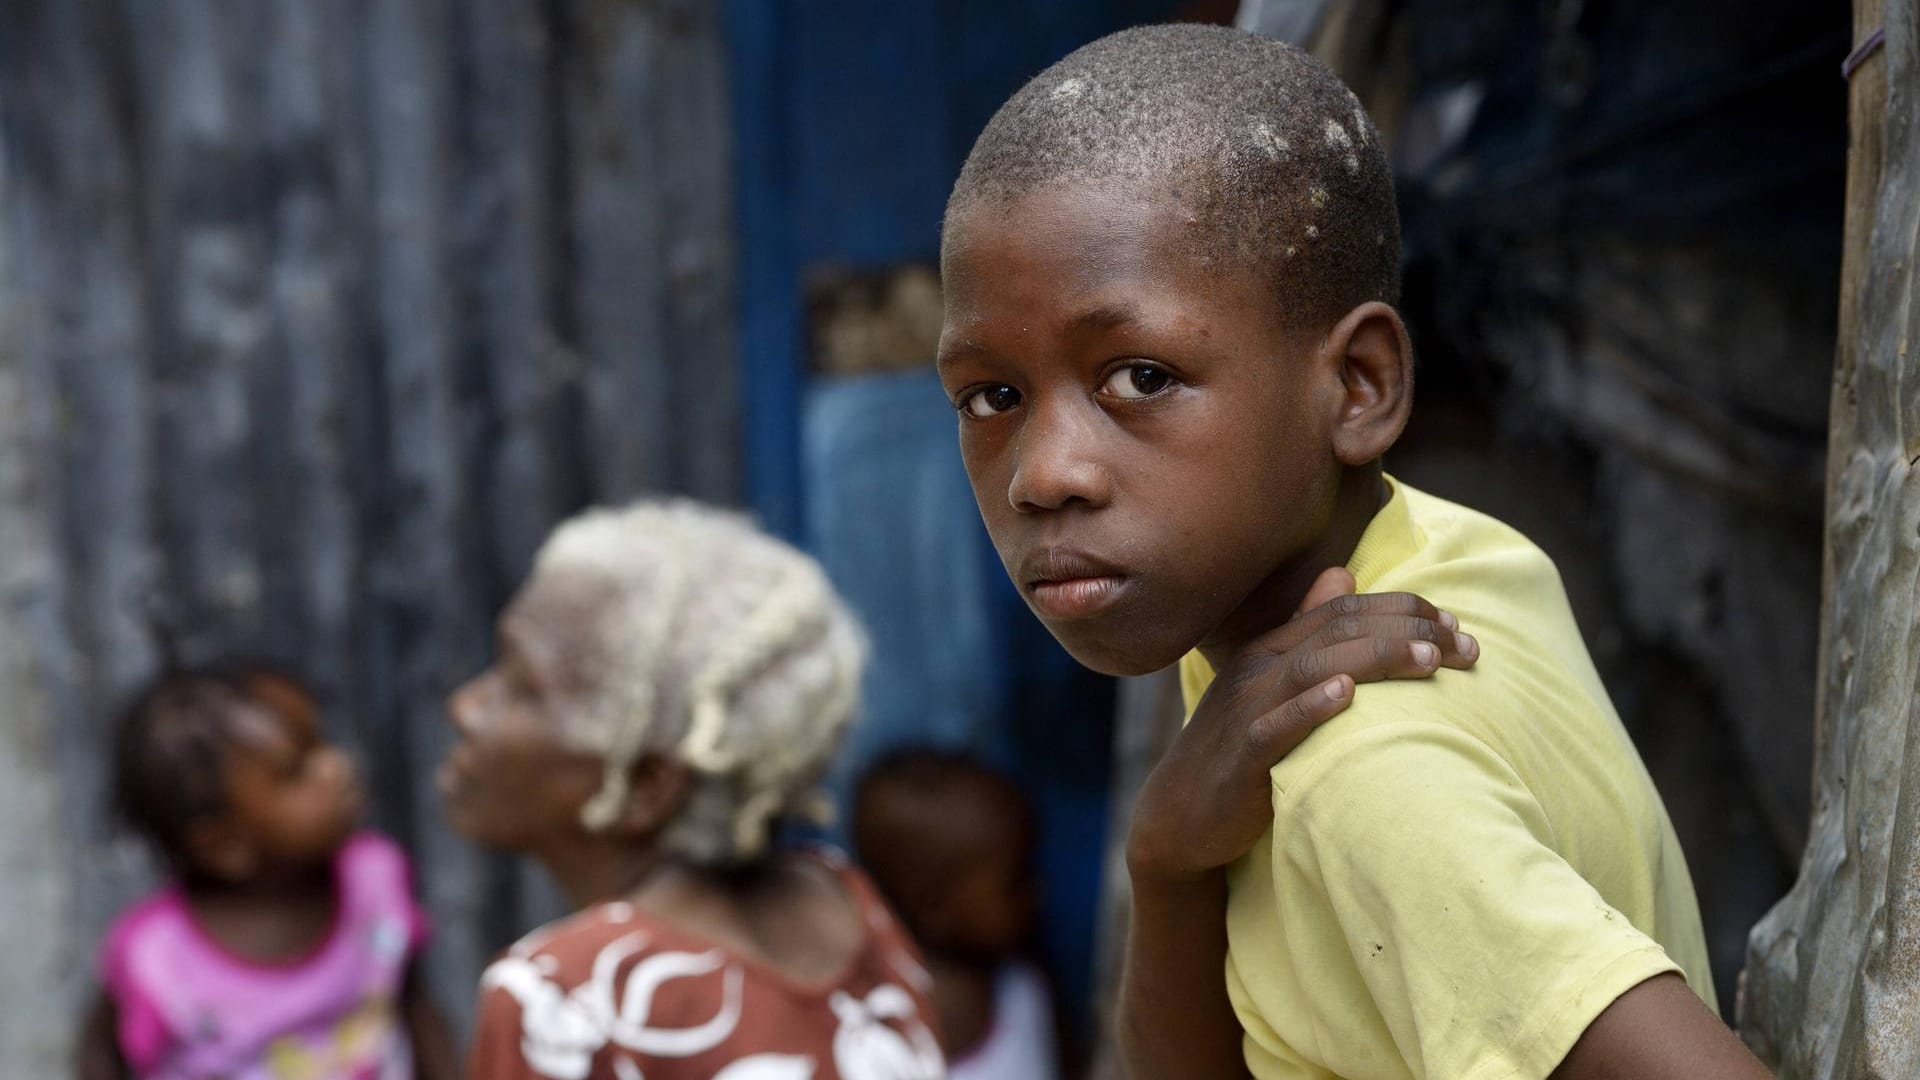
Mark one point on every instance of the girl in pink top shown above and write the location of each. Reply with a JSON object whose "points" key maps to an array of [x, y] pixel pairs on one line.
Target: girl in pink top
{"points": [[286, 946]]}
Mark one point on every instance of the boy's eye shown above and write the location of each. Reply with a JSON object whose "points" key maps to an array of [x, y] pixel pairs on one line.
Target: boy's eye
{"points": [[1136, 381], [990, 401]]}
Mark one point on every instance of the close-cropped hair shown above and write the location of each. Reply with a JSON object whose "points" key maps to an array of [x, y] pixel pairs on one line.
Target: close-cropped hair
{"points": [[1258, 144], [714, 643]]}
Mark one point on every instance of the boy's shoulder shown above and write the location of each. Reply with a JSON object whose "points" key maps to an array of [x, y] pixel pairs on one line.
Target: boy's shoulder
{"points": [[1516, 715], [1458, 555]]}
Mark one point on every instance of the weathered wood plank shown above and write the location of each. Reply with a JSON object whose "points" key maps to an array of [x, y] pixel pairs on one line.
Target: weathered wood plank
{"points": [[1833, 982]]}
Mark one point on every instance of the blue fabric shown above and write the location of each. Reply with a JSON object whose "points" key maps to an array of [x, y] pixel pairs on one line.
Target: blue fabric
{"points": [[890, 516]]}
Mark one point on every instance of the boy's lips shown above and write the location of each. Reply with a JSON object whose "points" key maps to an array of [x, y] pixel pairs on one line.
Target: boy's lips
{"points": [[1070, 584]]}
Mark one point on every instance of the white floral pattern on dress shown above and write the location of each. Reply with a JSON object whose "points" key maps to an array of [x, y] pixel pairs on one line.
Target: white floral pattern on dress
{"points": [[769, 1067], [866, 1048], [561, 1031]]}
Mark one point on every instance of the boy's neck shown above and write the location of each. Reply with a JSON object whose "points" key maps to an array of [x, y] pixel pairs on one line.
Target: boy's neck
{"points": [[1361, 494]]}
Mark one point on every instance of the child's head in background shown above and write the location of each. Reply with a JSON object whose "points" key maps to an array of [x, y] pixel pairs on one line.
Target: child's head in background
{"points": [[950, 843], [668, 676], [226, 773], [1169, 267]]}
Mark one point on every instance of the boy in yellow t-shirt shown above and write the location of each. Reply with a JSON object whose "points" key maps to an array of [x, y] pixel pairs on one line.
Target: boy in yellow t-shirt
{"points": [[1169, 266]]}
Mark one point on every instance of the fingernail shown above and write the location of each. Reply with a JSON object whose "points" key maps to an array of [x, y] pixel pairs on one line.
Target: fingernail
{"points": [[1468, 647], [1425, 654], [1447, 620], [1337, 690]]}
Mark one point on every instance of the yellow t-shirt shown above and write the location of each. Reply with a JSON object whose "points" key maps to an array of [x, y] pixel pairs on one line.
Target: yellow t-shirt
{"points": [[1463, 871]]}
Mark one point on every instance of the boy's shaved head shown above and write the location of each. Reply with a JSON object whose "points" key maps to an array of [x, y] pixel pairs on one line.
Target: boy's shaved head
{"points": [[1269, 155]]}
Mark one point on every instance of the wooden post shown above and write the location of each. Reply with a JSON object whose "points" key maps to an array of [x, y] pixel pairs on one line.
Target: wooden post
{"points": [[1832, 987]]}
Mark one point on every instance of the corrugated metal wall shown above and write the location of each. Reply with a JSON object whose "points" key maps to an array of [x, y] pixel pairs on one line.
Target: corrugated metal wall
{"points": [[313, 318]]}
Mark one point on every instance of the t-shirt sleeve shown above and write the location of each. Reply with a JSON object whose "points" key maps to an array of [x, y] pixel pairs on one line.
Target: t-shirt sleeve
{"points": [[1485, 953]]}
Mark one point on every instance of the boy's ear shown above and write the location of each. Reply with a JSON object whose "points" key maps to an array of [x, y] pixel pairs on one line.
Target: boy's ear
{"points": [[1374, 357], [657, 787], [221, 849]]}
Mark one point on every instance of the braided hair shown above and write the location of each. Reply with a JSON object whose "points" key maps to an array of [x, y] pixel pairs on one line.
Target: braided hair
{"points": [[714, 643]]}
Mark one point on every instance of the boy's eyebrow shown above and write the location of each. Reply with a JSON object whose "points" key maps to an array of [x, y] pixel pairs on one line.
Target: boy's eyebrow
{"points": [[1098, 317], [1104, 317], [963, 347]]}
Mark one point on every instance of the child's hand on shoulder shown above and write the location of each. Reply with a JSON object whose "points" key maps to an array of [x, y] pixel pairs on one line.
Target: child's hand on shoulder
{"points": [[1209, 799]]}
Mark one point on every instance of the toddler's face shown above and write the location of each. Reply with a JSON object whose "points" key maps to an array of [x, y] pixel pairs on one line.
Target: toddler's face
{"points": [[1141, 429], [295, 795]]}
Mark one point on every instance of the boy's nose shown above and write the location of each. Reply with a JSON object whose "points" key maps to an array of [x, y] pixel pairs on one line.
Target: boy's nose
{"points": [[1054, 463]]}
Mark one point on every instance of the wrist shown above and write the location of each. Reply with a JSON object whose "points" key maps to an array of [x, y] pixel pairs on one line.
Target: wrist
{"points": [[1153, 865], [1159, 896]]}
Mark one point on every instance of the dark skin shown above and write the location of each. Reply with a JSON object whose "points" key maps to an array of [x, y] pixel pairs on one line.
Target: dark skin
{"points": [[987, 920], [1167, 458], [259, 875], [512, 783], [981, 915]]}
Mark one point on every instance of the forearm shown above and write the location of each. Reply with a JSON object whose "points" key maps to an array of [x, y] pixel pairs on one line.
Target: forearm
{"points": [[1175, 1018], [1659, 1031]]}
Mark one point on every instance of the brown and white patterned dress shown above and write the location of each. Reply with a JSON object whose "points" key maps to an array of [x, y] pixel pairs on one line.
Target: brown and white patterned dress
{"points": [[613, 993]]}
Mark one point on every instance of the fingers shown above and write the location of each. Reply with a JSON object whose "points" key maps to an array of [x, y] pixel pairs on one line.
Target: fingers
{"points": [[1364, 660], [1274, 734], [1334, 581], [1301, 627], [1458, 649], [1313, 685]]}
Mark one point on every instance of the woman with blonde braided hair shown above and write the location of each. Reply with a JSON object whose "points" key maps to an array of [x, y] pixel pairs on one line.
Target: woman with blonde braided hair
{"points": [[670, 682]]}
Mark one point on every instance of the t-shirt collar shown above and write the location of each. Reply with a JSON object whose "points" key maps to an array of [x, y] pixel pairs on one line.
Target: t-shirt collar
{"points": [[1388, 541]]}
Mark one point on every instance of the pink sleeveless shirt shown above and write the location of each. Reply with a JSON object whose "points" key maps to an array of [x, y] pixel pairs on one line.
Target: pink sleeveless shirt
{"points": [[189, 1009]]}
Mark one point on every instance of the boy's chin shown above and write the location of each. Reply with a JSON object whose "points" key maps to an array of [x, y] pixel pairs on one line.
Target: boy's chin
{"points": [[1124, 659]]}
